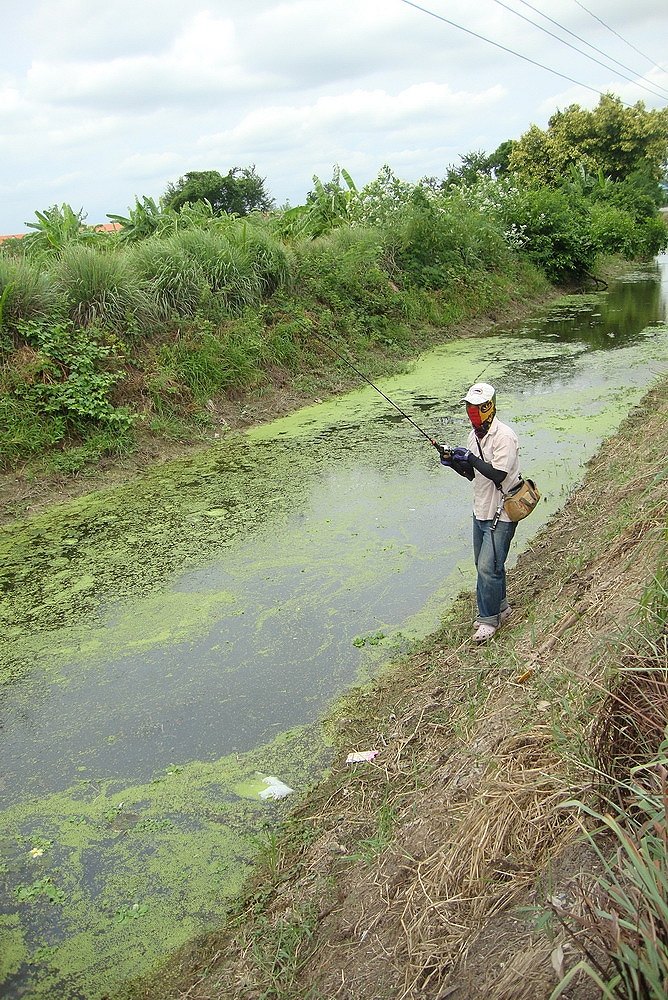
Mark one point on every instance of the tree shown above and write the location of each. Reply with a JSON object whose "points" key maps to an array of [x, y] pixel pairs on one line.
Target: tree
{"points": [[546, 157], [498, 160], [474, 165], [615, 139], [240, 191], [621, 140]]}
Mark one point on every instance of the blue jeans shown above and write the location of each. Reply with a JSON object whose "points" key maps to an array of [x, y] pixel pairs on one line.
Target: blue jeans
{"points": [[490, 550]]}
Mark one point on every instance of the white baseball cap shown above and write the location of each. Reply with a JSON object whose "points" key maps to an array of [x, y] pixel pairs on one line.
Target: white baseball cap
{"points": [[479, 393]]}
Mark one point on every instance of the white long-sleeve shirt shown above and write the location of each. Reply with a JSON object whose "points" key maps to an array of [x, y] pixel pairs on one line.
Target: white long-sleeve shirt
{"points": [[500, 447]]}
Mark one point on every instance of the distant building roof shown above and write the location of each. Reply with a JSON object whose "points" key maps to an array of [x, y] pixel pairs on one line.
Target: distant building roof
{"points": [[104, 227]]}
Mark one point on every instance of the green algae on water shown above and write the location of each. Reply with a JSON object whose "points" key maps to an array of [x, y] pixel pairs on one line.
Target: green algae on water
{"points": [[141, 869]]}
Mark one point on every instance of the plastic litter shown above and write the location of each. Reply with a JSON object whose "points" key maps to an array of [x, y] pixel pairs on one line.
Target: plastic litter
{"points": [[363, 755], [275, 789]]}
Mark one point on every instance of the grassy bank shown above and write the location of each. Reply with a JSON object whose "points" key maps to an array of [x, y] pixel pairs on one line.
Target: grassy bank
{"points": [[475, 856]]}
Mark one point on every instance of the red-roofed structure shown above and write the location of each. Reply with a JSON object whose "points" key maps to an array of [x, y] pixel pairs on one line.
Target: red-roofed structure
{"points": [[104, 227]]}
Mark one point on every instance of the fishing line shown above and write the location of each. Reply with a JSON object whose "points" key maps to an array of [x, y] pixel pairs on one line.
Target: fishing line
{"points": [[439, 447]]}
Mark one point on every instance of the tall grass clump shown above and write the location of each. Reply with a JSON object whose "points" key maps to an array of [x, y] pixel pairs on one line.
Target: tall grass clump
{"points": [[230, 282], [25, 429], [622, 924], [207, 359], [266, 254], [101, 288], [174, 278], [26, 292]]}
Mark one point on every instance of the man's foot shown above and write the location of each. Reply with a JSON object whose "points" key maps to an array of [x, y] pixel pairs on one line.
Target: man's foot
{"points": [[484, 632]]}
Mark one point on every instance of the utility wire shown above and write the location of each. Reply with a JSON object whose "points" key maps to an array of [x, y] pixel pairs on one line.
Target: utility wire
{"points": [[630, 44], [631, 79], [584, 41], [512, 52]]}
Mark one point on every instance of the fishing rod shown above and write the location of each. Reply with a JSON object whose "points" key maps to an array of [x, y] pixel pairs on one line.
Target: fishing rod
{"points": [[441, 449]]}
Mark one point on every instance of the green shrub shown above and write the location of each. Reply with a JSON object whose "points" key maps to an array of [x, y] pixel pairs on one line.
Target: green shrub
{"points": [[441, 241], [554, 227], [70, 378], [613, 230], [652, 237]]}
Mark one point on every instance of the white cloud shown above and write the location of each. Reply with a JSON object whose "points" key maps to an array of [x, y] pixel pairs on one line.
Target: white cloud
{"points": [[145, 165], [200, 64]]}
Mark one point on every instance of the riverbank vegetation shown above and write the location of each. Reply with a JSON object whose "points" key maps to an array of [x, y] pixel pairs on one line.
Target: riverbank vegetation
{"points": [[158, 330]]}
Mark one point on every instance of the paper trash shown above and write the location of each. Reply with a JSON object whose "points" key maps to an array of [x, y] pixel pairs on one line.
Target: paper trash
{"points": [[275, 789], [357, 758]]}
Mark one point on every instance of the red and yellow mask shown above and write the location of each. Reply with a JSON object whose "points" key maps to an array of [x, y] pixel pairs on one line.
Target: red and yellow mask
{"points": [[481, 415]]}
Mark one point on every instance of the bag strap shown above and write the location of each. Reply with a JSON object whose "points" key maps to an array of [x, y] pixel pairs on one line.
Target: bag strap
{"points": [[498, 486]]}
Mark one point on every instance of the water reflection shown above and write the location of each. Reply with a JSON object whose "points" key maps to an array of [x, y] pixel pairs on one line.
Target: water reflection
{"points": [[610, 320]]}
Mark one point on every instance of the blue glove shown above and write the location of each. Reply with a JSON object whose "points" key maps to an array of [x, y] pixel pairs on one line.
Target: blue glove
{"points": [[446, 459], [461, 455]]}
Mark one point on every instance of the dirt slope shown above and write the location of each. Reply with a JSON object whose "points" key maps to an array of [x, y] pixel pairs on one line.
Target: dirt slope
{"points": [[430, 872]]}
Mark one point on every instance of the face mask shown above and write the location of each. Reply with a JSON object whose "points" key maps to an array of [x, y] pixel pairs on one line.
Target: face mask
{"points": [[481, 416], [474, 415]]}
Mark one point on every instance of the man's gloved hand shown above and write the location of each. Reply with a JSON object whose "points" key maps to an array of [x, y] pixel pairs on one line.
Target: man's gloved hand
{"points": [[461, 455], [445, 454]]}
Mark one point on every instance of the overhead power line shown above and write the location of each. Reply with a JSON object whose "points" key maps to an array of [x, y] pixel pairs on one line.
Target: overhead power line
{"points": [[626, 42], [563, 41], [562, 27], [504, 48]]}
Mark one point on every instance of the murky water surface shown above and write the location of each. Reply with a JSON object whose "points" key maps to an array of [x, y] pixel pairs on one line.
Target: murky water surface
{"points": [[171, 642]]}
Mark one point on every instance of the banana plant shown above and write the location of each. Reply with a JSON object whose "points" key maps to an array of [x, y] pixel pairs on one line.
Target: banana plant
{"points": [[328, 206], [55, 228]]}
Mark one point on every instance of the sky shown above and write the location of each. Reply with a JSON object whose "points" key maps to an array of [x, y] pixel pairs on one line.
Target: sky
{"points": [[102, 103]]}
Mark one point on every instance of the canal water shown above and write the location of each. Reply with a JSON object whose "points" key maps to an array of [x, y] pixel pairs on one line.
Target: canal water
{"points": [[173, 643]]}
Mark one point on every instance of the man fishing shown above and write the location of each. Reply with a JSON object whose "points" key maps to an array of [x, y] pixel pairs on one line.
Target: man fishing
{"points": [[491, 461]]}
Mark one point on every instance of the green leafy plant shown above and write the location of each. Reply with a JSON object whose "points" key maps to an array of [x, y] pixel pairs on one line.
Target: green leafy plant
{"points": [[135, 911], [42, 888], [55, 228], [368, 640], [70, 377]]}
